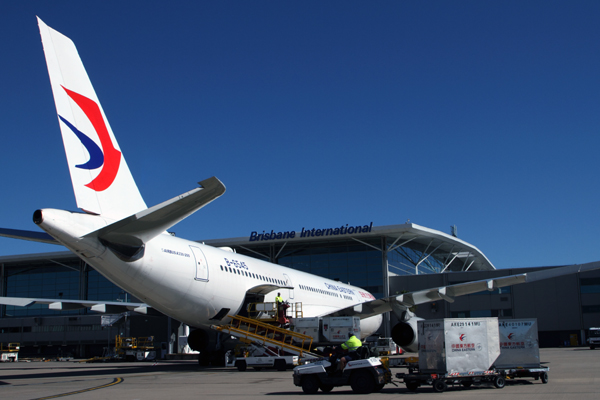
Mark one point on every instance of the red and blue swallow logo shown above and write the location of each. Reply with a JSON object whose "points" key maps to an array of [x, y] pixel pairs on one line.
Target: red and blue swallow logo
{"points": [[106, 157], [511, 335], [462, 337]]}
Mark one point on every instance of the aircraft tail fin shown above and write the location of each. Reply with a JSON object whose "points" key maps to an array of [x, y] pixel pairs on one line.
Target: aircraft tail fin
{"points": [[100, 176]]}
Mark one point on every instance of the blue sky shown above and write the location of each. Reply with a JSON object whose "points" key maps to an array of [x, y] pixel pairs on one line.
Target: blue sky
{"points": [[482, 114]]}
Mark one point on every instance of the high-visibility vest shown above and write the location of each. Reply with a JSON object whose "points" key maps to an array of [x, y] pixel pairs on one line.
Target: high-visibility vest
{"points": [[352, 344], [278, 299]]}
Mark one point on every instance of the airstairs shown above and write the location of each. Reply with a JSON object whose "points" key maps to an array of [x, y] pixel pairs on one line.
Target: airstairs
{"points": [[262, 333]]}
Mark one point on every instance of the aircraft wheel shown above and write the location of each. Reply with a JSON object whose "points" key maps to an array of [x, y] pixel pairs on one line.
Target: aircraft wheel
{"points": [[362, 382], [310, 384], [439, 385]]}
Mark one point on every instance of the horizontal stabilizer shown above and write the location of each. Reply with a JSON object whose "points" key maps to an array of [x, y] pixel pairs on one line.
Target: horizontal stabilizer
{"points": [[447, 293], [32, 236], [63, 305], [145, 225]]}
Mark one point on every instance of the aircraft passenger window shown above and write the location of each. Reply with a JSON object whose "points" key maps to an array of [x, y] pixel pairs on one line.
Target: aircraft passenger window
{"points": [[221, 267]]}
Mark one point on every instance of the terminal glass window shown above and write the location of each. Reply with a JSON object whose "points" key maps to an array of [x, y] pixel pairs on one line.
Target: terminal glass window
{"points": [[404, 261], [590, 285], [346, 261], [48, 282], [100, 288]]}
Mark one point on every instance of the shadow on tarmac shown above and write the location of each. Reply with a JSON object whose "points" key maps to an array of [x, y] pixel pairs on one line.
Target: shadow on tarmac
{"points": [[103, 369]]}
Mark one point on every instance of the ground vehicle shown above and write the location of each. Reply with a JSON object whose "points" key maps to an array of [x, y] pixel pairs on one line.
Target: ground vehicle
{"points": [[496, 377], [259, 357], [473, 351], [440, 381], [9, 352], [364, 376], [593, 337]]}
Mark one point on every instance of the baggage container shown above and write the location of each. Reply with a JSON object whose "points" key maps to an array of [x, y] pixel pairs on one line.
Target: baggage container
{"points": [[337, 329], [458, 345], [519, 345], [307, 326]]}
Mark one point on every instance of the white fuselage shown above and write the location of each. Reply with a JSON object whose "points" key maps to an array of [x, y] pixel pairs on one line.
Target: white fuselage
{"points": [[193, 282]]}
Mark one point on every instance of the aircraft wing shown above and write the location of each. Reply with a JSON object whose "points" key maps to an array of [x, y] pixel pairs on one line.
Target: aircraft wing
{"points": [[33, 236], [112, 307], [448, 293]]}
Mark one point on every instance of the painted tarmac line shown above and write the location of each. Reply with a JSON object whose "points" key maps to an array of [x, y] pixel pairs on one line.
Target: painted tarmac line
{"points": [[116, 381]]}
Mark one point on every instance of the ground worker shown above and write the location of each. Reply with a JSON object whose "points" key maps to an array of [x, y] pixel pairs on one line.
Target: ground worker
{"points": [[351, 345], [279, 304]]}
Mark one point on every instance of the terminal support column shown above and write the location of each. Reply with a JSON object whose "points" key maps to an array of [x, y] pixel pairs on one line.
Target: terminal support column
{"points": [[2, 288], [386, 284]]}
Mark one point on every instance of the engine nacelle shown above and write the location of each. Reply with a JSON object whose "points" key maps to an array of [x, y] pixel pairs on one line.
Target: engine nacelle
{"points": [[404, 334], [201, 340]]}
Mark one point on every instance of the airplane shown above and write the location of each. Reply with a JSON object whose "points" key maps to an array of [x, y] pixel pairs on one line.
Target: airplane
{"points": [[199, 285]]}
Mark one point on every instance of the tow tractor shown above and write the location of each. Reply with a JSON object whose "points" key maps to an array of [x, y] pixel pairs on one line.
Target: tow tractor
{"points": [[593, 338], [364, 375]]}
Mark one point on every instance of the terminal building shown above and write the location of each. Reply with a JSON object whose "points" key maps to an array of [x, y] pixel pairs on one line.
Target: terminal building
{"points": [[385, 260]]}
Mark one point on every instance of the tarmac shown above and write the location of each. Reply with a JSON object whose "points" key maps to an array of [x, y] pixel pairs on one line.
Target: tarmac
{"points": [[574, 374]]}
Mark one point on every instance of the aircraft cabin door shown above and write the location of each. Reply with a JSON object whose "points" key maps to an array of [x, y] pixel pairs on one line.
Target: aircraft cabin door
{"points": [[201, 264], [288, 282]]}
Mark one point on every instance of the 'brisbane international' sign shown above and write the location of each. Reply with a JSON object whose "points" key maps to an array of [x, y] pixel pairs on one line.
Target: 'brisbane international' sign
{"points": [[342, 230]]}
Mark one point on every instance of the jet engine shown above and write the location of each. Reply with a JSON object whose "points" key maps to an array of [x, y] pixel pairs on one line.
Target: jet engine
{"points": [[405, 335], [200, 339]]}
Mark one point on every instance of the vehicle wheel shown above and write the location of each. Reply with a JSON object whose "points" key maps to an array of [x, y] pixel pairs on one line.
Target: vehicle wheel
{"points": [[544, 377], [241, 365], [499, 381], [592, 347], [280, 365], [439, 385], [378, 387], [466, 384], [325, 388], [310, 384], [412, 385], [362, 382]]}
